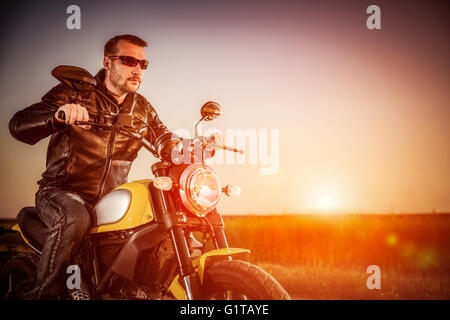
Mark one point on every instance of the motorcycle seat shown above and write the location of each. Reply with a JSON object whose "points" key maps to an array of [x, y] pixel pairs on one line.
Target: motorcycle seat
{"points": [[32, 228]]}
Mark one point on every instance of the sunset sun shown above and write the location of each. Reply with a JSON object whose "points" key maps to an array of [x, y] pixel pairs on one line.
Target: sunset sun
{"points": [[326, 202]]}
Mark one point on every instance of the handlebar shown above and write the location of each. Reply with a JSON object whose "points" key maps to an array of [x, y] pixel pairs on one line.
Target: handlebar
{"points": [[62, 116], [119, 128], [230, 149], [211, 141]]}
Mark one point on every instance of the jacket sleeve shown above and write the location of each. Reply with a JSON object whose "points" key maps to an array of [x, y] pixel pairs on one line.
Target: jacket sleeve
{"points": [[156, 125], [37, 122]]}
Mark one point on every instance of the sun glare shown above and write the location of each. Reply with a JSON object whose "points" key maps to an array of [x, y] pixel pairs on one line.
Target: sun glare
{"points": [[326, 203]]}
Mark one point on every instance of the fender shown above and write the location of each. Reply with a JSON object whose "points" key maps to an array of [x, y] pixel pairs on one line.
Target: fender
{"points": [[17, 228], [200, 264]]}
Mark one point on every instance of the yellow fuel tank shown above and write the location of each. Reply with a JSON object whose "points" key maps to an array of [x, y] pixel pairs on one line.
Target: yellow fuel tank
{"points": [[127, 206]]}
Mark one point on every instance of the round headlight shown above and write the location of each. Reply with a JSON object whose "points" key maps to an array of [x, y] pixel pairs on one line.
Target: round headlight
{"points": [[199, 189]]}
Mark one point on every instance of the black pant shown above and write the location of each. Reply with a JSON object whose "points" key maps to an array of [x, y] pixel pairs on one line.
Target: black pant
{"points": [[67, 215]]}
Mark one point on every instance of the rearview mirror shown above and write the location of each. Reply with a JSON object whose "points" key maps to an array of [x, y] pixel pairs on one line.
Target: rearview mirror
{"points": [[210, 110], [75, 77]]}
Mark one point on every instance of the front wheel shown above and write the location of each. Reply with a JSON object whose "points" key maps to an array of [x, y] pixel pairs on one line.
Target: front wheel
{"points": [[240, 280]]}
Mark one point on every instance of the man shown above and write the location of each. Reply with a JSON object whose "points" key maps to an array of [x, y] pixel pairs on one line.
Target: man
{"points": [[84, 163]]}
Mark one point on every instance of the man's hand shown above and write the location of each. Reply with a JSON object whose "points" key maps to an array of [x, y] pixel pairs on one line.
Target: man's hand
{"points": [[73, 112]]}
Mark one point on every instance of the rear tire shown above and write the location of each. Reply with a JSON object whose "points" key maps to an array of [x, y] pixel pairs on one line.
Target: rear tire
{"points": [[17, 275], [240, 280]]}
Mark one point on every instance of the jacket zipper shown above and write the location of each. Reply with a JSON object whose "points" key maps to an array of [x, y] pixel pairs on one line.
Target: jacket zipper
{"points": [[108, 163], [108, 154]]}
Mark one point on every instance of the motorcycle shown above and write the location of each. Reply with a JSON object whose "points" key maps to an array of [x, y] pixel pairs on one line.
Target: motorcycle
{"points": [[143, 240]]}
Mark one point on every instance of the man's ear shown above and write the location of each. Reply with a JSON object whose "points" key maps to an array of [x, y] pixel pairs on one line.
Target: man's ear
{"points": [[106, 63]]}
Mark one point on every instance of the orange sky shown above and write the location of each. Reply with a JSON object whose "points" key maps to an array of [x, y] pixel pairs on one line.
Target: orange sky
{"points": [[362, 115]]}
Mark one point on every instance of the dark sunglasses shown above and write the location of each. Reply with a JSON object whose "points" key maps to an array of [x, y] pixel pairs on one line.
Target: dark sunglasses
{"points": [[131, 62]]}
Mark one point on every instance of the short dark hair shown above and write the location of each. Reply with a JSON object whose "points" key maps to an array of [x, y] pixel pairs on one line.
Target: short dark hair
{"points": [[111, 48]]}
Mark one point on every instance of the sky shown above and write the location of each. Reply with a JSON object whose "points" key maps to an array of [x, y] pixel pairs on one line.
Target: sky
{"points": [[356, 120]]}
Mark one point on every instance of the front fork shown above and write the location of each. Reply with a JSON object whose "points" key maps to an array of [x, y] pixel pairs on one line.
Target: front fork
{"points": [[190, 278], [164, 203]]}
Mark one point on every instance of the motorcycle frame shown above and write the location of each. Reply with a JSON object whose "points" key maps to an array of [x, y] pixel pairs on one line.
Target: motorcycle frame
{"points": [[166, 221]]}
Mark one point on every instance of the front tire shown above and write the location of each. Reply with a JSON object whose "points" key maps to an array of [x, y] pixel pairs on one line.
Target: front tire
{"points": [[240, 280], [17, 275]]}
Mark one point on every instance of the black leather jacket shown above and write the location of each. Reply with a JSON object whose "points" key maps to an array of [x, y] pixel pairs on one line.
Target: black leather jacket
{"points": [[89, 162]]}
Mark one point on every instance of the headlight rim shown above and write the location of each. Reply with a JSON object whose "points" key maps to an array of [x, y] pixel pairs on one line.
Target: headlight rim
{"points": [[186, 199]]}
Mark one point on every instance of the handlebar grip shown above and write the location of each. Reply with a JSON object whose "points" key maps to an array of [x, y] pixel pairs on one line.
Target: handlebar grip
{"points": [[62, 116], [236, 150], [232, 149]]}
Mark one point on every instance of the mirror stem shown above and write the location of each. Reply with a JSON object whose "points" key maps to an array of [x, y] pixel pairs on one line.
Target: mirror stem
{"points": [[196, 126]]}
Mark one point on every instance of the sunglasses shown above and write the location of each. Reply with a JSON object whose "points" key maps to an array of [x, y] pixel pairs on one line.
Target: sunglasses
{"points": [[131, 62]]}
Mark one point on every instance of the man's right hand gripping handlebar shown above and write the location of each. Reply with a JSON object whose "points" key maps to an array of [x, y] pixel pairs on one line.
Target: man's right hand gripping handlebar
{"points": [[71, 114]]}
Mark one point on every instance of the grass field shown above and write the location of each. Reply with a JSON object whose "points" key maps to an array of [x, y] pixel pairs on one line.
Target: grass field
{"points": [[326, 256]]}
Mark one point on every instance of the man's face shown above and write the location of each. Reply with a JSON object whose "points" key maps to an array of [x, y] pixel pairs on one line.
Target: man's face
{"points": [[125, 79]]}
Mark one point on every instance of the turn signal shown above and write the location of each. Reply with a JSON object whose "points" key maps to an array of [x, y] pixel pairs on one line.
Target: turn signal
{"points": [[163, 183], [232, 190]]}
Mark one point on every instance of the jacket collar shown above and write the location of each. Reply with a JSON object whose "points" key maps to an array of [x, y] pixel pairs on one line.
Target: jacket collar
{"points": [[100, 77]]}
